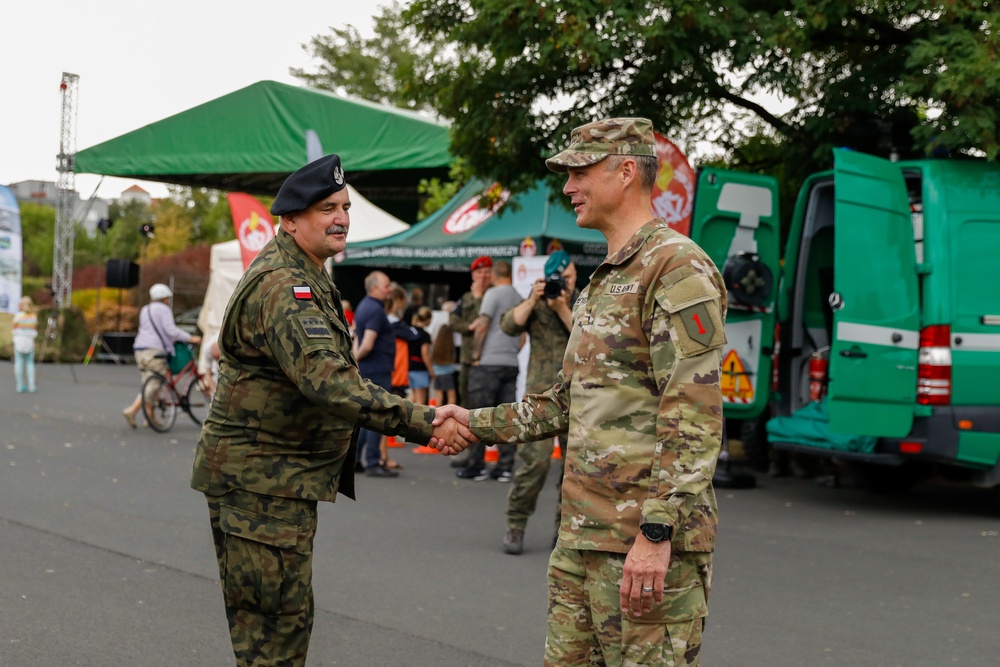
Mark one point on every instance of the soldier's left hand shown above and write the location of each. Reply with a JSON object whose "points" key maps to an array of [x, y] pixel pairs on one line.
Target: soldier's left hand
{"points": [[643, 577]]}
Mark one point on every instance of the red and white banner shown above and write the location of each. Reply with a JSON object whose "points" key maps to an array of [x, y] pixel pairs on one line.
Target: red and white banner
{"points": [[673, 193], [253, 223]]}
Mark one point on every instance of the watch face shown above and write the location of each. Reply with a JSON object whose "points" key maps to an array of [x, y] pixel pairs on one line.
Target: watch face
{"points": [[655, 532]]}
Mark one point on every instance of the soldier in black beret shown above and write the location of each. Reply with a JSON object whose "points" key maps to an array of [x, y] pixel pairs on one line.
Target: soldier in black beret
{"points": [[282, 431]]}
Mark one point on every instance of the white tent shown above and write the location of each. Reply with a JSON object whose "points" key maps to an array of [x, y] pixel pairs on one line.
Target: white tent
{"points": [[368, 222]]}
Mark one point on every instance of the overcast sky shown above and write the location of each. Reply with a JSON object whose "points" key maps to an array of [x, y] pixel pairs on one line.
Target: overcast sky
{"points": [[141, 62]]}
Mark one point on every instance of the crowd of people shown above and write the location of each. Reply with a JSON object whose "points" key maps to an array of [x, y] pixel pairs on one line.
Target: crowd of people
{"points": [[466, 352]]}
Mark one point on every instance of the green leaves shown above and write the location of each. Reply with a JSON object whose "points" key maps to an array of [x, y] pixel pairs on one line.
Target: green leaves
{"points": [[515, 76]]}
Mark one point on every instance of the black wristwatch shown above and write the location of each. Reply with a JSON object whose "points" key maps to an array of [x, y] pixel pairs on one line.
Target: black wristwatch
{"points": [[657, 532]]}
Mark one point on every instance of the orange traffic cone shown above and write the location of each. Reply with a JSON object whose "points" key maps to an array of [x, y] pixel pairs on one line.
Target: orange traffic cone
{"points": [[393, 442], [557, 450], [492, 454]]}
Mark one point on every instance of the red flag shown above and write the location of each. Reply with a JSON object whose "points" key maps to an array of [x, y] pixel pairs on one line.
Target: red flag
{"points": [[673, 193], [253, 223]]}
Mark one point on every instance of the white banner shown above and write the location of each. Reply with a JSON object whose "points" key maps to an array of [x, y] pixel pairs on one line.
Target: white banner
{"points": [[10, 251]]}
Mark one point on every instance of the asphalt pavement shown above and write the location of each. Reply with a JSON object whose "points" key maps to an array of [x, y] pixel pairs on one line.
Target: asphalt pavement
{"points": [[106, 558]]}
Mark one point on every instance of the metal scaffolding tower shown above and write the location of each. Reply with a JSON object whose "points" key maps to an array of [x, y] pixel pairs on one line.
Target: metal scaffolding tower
{"points": [[62, 253]]}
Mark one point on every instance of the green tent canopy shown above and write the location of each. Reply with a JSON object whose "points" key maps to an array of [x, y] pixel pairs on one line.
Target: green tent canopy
{"points": [[251, 139], [527, 224]]}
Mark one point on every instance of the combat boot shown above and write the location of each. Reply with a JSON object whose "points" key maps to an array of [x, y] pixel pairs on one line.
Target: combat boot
{"points": [[513, 541]]}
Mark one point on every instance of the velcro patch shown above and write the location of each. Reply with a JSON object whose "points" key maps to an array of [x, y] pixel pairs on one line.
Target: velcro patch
{"points": [[302, 292], [314, 326], [698, 323]]}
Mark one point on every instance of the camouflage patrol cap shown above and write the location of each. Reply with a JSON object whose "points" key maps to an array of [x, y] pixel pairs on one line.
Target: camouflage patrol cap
{"points": [[591, 143], [312, 183]]}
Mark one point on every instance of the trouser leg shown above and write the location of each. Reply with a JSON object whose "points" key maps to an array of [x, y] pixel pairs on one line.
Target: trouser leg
{"points": [[529, 478], [481, 390], [369, 441], [264, 550], [19, 370], [368, 447], [504, 390], [570, 636], [670, 634], [29, 369]]}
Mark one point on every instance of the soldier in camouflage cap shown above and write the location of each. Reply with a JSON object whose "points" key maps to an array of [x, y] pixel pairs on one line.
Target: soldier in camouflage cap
{"points": [[285, 419], [638, 398]]}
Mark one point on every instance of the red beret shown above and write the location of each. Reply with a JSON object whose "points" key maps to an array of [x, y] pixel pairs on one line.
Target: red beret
{"points": [[481, 262]]}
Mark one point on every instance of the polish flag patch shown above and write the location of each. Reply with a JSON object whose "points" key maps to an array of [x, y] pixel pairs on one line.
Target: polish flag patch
{"points": [[302, 292]]}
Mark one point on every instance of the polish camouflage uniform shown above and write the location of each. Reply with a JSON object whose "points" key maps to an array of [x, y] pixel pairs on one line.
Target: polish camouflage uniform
{"points": [[283, 423], [468, 307], [639, 400], [548, 344]]}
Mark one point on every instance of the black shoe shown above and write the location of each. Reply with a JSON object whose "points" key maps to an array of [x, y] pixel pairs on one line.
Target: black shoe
{"points": [[477, 474], [459, 462], [380, 471], [501, 475]]}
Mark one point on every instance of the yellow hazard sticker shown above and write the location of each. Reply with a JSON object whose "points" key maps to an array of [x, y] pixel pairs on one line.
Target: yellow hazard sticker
{"points": [[735, 382]]}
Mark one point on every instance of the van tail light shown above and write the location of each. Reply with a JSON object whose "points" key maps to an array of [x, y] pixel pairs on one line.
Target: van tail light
{"points": [[934, 366]]}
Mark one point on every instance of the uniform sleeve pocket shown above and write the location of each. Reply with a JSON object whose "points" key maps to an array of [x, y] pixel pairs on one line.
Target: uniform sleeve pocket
{"points": [[696, 324], [258, 527]]}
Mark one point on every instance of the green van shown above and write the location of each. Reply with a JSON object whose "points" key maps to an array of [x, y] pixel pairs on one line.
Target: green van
{"points": [[887, 302]]}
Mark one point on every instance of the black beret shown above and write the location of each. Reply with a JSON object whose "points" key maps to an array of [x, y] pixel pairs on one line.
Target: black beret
{"points": [[312, 183]]}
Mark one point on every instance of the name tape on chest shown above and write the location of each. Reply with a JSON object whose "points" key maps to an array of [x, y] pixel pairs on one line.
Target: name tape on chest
{"points": [[615, 290]]}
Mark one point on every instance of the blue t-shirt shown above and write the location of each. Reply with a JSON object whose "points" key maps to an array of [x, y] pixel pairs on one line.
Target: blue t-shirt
{"points": [[370, 314]]}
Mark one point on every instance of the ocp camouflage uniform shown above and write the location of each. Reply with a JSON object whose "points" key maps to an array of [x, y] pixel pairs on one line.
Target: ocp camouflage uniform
{"points": [[468, 310], [638, 397], [548, 344], [284, 420]]}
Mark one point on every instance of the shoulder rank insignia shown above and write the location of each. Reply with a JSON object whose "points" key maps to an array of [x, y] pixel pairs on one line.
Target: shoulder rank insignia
{"points": [[302, 292], [313, 326]]}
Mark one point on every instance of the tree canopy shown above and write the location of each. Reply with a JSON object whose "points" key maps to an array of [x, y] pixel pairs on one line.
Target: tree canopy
{"points": [[906, 77]]}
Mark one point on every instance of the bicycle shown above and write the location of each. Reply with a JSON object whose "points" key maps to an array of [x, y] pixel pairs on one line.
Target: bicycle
{"points": [[163, 395]]}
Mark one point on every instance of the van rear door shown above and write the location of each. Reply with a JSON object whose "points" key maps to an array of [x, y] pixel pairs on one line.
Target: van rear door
{"points": [[876, 318], [735, 220]]}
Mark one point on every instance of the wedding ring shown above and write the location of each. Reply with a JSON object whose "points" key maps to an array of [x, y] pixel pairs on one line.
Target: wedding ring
{"points": [[646, 589]]}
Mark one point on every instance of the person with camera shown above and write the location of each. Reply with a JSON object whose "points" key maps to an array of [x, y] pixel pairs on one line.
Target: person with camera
{"points": [[547, 317]]}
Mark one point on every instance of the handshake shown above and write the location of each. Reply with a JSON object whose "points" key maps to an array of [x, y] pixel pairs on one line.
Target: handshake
{"points": [[451, 430]]}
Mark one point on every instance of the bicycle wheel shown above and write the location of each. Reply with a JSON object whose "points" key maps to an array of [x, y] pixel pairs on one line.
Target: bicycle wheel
{"points": [[159, 403], [196, 401]]}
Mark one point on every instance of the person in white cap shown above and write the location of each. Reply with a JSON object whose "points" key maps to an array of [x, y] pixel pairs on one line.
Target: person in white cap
{"points": [[157, 334]]}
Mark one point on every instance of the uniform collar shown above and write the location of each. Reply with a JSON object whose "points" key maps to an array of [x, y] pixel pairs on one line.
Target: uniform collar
{"points": [[637, 241], [288, 245]]}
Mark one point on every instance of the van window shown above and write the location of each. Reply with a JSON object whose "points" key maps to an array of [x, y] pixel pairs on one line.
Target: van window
{"points": [[914, 188]]}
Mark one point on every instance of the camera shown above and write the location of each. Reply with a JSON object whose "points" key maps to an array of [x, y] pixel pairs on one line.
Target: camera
{"points": [[554, 286]]}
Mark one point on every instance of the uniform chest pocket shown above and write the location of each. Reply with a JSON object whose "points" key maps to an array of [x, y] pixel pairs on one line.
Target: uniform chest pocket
{"points": [[693, 303]]}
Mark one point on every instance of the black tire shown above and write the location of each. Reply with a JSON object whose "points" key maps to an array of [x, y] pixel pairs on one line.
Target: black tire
{"points": [[159, 403], [196, 401]]}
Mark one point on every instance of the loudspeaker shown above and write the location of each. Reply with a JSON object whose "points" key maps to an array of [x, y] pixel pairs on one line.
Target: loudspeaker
{"points": [[122, 273]]}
